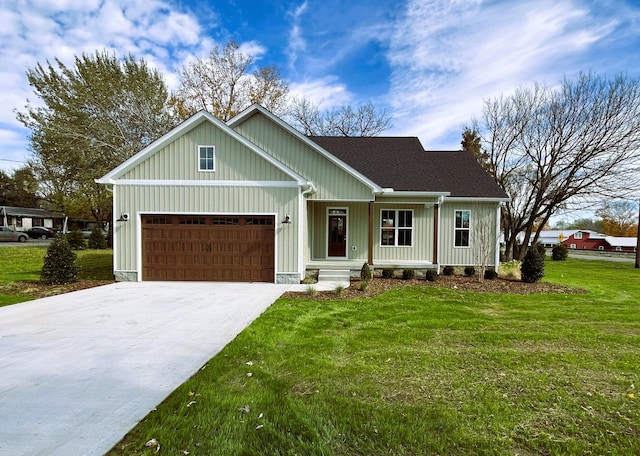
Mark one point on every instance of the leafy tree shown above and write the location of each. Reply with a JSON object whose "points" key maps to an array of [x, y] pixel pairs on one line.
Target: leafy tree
{"points": [[19, 189], [549, 147], [365, 120], [59, 263], [560, 252], [224, 85], [90, 117], [472, 143], [585, 224], [620, 218]]}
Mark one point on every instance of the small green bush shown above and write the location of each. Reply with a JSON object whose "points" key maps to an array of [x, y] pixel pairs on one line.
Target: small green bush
{"points": [[541, 249], [431, 275], [59, 263], [96, 239], [469, 271], [387, 273], [365, 273], [532, 269], [76, 240], [448, 270], [339, 290], [408, 274], [560, 252], [490, 274], [363, 285]]}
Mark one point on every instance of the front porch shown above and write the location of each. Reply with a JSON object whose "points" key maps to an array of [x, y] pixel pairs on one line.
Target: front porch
{"points": [[313, 267]]}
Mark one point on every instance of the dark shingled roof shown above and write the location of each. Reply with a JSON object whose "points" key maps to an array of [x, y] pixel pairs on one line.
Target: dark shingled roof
{"points": [[401, 163]]}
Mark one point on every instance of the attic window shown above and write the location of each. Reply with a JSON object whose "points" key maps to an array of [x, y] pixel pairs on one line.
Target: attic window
{"points": [[578, 235], [207, 158]]}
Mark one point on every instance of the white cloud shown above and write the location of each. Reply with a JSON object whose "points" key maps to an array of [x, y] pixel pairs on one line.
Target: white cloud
{"points": [[327, 92], [296, 43], [447, 57]]}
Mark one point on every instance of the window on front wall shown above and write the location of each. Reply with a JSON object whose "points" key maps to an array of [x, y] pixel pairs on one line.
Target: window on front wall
{"points": [[396, 227], [462, 228], [206, 158], [577, 235]]}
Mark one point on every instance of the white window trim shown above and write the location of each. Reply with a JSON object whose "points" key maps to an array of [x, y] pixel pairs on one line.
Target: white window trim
{"points": [[214, 159], [397, 228], [461, 229], [577, 235], [572, 246]]}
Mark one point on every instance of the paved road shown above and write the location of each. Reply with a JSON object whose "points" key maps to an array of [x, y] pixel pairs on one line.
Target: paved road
{"points": [[595, 256], [78, 370]]}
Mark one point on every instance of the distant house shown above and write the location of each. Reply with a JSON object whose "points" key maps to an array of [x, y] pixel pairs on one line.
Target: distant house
{"points": [[23, 218], [253, 199], [587, 240]]}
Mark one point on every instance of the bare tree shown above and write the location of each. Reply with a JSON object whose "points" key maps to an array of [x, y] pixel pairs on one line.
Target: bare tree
{"points": [[365, 120], [550, 147], [620, 218], [484, 238], [224, 85]]}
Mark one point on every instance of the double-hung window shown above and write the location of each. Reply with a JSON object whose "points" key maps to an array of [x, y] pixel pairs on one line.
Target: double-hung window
{"points": [[396, 227], [206, 158], [462, 228]]}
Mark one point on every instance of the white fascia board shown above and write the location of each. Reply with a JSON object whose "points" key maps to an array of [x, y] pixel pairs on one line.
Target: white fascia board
{"points": [[328, 155], [208, 183], [407, 193], [185, 126], [470, 199]]}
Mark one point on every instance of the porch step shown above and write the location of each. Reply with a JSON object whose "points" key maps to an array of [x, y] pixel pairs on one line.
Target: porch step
{"points": [[334, 277]]}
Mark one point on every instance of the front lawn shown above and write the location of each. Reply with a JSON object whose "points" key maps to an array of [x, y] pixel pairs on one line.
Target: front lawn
{"points": [[421, 370], [20, 272]]}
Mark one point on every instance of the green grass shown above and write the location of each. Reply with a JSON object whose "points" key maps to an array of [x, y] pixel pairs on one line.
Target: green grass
{"points": [[23, 265], [421, 371]]}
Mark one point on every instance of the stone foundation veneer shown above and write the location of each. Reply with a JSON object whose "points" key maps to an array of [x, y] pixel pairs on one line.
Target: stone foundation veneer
{"points": [[125, 276], [288, 278]]}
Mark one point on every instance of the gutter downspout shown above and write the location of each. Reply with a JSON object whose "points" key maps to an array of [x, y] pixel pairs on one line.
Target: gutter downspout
{"points": [[303, 216]]}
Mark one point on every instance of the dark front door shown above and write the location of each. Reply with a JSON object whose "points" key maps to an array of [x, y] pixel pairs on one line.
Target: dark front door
{"points": [[337, 245]]}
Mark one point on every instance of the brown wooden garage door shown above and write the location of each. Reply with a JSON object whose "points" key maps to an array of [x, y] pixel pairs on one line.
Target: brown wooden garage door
{"points": [[208, 248]]}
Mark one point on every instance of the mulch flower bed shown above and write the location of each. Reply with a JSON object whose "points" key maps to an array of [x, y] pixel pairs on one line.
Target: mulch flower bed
{"points": [[456, 282]]}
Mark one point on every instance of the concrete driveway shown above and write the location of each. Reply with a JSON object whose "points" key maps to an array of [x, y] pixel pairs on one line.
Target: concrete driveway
{"points": [[77, 371]]}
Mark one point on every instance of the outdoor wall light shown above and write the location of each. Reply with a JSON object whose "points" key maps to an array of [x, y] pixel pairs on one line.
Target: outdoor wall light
{"points": [[124, 217], [287, 219]]}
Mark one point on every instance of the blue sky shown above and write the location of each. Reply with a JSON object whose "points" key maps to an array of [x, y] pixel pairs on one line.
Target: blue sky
{"points": [[429, 63]]}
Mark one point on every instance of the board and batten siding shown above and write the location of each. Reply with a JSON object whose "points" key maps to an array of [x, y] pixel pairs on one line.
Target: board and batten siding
{"points": [[484, 213], [179, 159], [422, 249], [331, 181], [144, 199]]}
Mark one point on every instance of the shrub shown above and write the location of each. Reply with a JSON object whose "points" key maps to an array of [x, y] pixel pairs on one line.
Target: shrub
{"points": [[560, 252], [408, 274], [363, 285], [541, 249], [532, 268], [59, 263], [311, 290], [431, 275], [511, 269], [387, 273], [490, 274], [448, 270], [96, 239], [339, 290], [76, 240], [365, 273], [469, 271]]}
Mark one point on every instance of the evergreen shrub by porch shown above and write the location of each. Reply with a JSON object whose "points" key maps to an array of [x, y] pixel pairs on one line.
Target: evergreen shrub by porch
{"points": [[560, 252], [448, 270], [96, 239], [408, 274], [76, 240], [541, 249], [469, 271], [387, 273], [365, 273], [431, 275], [59, 263], [532, 269]]}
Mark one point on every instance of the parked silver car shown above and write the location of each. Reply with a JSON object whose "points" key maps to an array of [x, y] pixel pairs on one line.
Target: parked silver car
{"points": [[7, 234]]}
